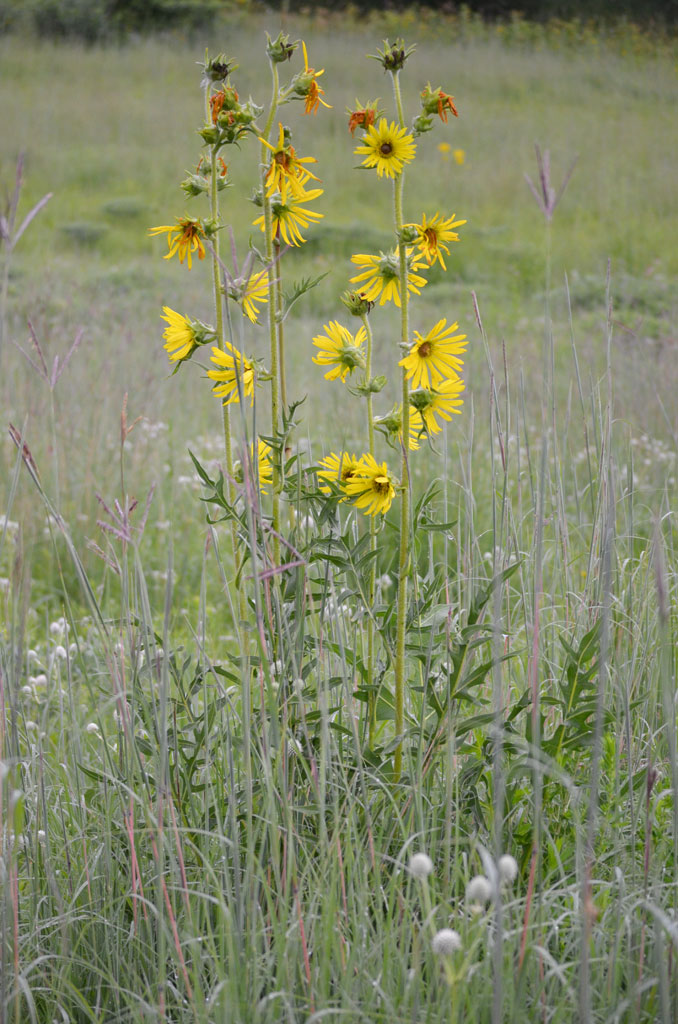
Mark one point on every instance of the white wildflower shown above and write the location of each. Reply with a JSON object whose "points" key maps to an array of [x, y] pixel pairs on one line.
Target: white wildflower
{"points": [[478, 891], [446, 942], [507, 866], [420, 865]]}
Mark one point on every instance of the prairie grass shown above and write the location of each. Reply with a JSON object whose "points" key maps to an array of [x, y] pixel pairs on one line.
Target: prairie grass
{"points": [[185, 842]]}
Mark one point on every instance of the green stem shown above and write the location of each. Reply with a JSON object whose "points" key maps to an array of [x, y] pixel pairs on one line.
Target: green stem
{"points": [[404, 551], [372, 698], [221, 341], [281, 334], [273, 270], [218, 306]]}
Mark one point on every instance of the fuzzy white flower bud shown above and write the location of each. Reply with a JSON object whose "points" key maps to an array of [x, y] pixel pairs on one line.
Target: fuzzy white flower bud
{"points": [[446, 942], [507, 867], [420, 865], [479, 890]]}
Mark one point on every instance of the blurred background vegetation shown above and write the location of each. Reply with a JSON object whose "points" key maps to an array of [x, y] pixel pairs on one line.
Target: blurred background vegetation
{"points": [[101, 21]]}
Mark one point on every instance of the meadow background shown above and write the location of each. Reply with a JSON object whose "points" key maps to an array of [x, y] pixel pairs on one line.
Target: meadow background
{"points": [[181, 871]]}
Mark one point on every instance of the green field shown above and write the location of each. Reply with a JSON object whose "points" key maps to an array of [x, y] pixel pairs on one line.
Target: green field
{"points": [[194, 827]]}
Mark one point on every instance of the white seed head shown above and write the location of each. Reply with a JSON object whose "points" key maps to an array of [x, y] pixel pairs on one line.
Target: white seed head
{"points": [[507, 866], [92, 728], [479, 890], [420, 865], [446, 942], [60, 651]]}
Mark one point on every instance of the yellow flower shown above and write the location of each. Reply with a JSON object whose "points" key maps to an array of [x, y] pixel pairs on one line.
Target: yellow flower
{"points": [[435, 357], [459, 156], [416, 430], [370, 487], [382, 276], [286, 172], [309, 81], [179, 335], [264, 464], [439, 401], [339, 468], [184, 237], [289, 218], [256, 290], [339, 350], [432, 235], [234, 366], [388, 148], [444, 148]]}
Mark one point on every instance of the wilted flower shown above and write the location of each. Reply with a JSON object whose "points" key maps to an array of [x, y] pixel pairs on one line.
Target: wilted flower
{"points": [[435, 101], [363, 116]]}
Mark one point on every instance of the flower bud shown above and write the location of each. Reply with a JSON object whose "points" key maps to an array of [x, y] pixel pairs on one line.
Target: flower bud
{"points": [[421, 399], [422, 124], [373, 386], [394, 55], [217, 69], [356, 303], [408, 234], [301, 83], [194, 185], [281, 49], [209, 134]]}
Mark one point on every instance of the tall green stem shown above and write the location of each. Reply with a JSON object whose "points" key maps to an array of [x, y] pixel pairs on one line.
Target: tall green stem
{"points": [[273, 270], [404, 552], [221, 341], [372, 698], [218, 305]]}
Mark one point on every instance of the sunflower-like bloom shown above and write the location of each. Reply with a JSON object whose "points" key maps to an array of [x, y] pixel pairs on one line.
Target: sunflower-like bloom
{"points": [[387, 147], [286, 172], [290, 218], [432, 235], [182, 336], [370, 487], [435, 101], [435, 356], [264, 464], [179, 335], [184, 237], [233, 366], [256, 290], [427, 403], [339, 469], [382, 275], [339, 350]]}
